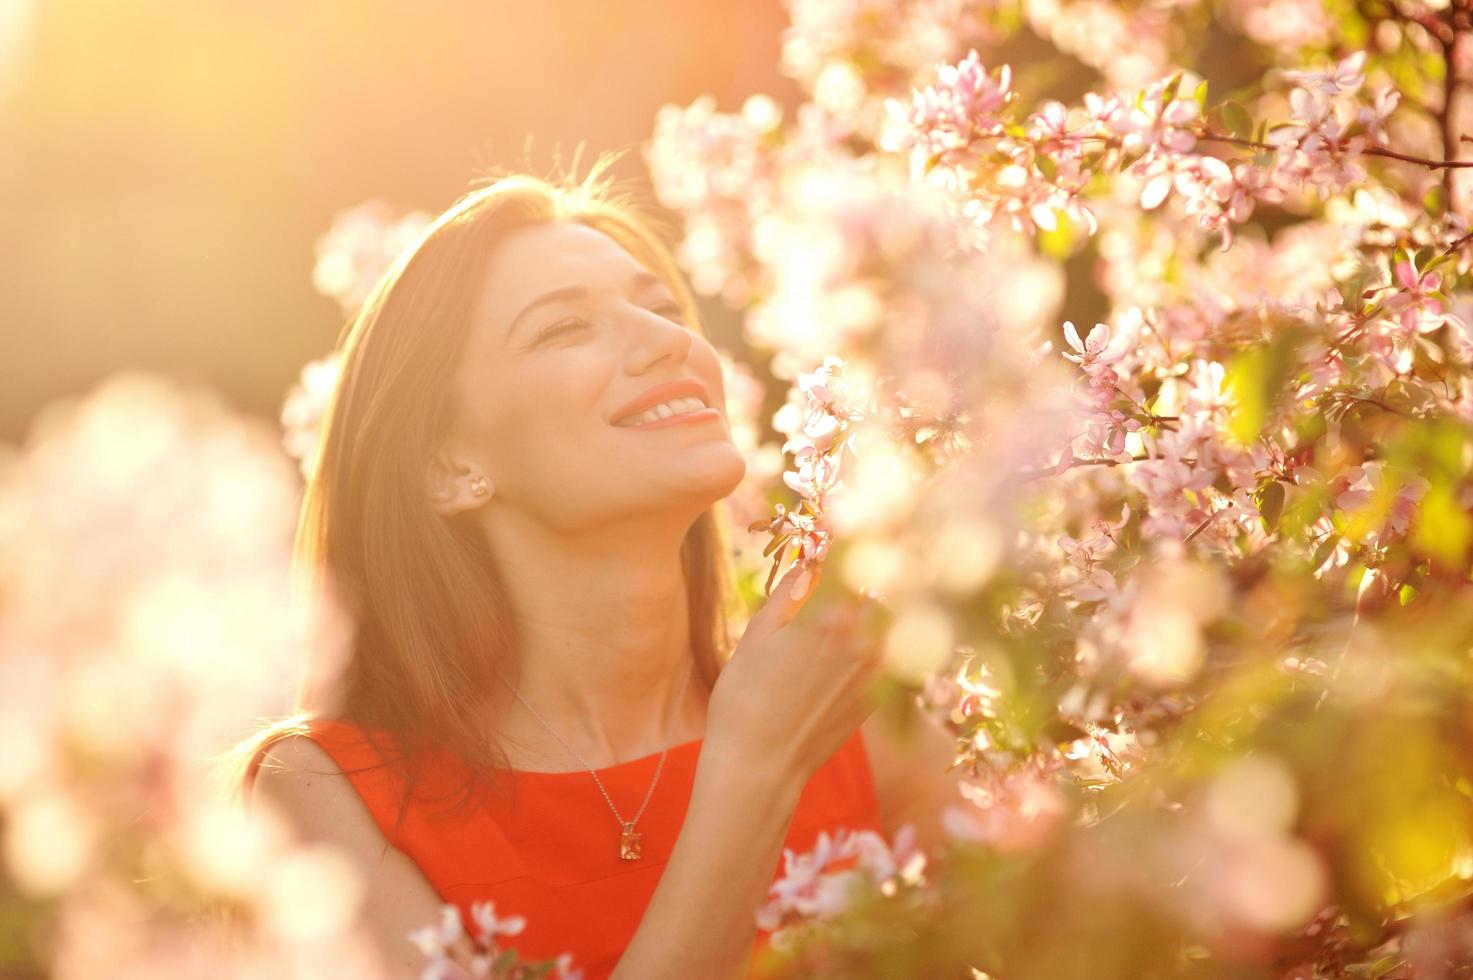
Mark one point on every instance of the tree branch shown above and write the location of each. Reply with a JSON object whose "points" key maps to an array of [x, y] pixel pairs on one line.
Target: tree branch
{"points": [[1370, 151]]}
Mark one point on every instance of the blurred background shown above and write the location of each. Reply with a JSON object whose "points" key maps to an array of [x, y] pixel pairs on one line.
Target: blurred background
{"points": [[169, 165], [171, 170], [193, 190]]}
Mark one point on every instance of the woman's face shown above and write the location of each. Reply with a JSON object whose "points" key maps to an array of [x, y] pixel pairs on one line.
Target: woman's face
{"points": [[570, 331]]}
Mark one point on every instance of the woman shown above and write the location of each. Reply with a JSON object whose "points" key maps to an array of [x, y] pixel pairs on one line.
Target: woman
{"points": [[517, 496]]}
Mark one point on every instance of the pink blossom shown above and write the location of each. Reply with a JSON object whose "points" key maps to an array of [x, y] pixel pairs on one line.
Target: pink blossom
{"points": [[1374, 116], [817, 474], [797, 890], [1089, 582], [436, 940], [1105, 433], [1150, 123], [360, 246], [305, 408], [1094, 352], [1354, 489], [965, 103], [1347, 76], [1012, 810], [1418, 304], [818, 883], [489, 925]]}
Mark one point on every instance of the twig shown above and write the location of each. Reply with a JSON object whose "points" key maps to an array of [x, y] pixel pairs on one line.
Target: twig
{"points": [[1370, 151], [1053, 471], [1445, 120], [1459, 243], [1203, 526]]}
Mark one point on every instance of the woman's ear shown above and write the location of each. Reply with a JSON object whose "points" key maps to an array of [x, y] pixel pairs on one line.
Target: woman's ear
{"points": [[454, 487]]}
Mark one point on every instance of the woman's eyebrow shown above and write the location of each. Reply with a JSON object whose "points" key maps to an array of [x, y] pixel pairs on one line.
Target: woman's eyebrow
{"points": [[638, 281]]}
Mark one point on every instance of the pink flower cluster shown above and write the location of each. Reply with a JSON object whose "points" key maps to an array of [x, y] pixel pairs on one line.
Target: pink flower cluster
{"points": [[1012, 809], [436, 942], [964, 105], [355, 252], [719, 170], [1329, 128], [816, 431], [818, 883], [960, 133]]}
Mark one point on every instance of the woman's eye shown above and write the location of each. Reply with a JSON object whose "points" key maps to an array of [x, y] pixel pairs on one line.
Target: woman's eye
{"points": [[562, 327], [674, 310]]}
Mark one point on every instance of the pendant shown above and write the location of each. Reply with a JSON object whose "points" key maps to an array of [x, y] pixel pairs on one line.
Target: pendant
{"points": [[629, 843]]}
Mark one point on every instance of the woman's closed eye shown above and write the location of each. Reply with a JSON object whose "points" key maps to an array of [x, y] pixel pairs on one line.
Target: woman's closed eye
{"points": [[562, 326], [572, 323]]}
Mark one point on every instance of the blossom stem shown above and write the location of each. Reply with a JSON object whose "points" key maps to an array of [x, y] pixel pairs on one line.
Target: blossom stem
{"points": [[1458, 243], [1027, 475], [1203, 526], [1371, 151]]}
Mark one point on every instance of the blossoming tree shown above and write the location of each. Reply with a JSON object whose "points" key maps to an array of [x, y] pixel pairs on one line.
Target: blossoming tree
{"points": [[1191, 586]]}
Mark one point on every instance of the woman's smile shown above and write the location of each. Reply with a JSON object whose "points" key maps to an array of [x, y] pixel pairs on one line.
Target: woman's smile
{"points": [[692, 413]]}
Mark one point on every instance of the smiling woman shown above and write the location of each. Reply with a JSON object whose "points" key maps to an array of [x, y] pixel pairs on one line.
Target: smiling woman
{"points": [[519, 498]]}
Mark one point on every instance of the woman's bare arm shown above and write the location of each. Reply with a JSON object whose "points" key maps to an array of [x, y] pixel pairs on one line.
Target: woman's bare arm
{"points": [[326, 808]]}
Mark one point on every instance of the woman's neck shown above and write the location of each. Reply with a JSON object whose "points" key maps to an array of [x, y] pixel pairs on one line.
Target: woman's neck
{"points": [[602, 639], [530, 747]]}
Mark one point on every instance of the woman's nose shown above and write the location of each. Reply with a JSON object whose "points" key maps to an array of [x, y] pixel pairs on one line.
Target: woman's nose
{"points": [[659, 337]]}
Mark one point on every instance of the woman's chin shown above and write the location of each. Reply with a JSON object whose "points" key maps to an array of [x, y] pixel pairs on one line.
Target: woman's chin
{"points": [[716, 477]]}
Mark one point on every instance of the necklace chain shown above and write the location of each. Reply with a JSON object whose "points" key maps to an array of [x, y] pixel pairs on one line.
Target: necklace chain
{"points": [[627, 824]]}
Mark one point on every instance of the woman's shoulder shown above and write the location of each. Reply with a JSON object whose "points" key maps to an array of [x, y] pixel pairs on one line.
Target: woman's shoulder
{"points": [[328, 769], [298, 768], [306, 789], [297, 774], [304, 747]]}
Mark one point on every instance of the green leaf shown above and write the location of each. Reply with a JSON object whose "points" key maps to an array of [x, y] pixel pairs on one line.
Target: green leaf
{"points": [[1442, 258], [1442, 529], [1434, 201], [1271, 505], [1169, 93], [1048, 167], [1255, 378], [1201, 94], [1058, 243], [772, 574], [1237, 120], [1322, 553]]}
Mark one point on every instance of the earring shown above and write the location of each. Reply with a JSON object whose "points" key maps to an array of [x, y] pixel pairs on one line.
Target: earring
{"points": [[479, 486]]}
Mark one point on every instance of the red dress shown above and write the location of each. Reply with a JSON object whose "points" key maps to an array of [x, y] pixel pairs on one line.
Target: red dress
{"points": [[552, 855]]}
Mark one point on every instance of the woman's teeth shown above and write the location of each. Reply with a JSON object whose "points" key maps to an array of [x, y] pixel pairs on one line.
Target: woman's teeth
{"points": [[677, 406]]}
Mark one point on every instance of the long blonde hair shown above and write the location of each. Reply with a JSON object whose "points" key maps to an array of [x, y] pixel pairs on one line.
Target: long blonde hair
{"points": [[431, 613]]}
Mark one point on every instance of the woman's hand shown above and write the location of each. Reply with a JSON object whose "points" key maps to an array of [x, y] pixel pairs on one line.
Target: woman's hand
{"points": [[798, 683]]}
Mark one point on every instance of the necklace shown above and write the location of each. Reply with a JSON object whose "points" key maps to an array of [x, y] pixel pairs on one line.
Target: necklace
{"points": [[629, 848]]}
